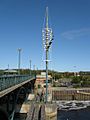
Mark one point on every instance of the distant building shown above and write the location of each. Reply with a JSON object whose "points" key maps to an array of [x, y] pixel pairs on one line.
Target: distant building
{"points": [[65, 82], [41, 82], [10, 72]]}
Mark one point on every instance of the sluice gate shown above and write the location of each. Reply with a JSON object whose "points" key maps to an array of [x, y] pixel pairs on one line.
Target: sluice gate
{"points": [[36, 112]]}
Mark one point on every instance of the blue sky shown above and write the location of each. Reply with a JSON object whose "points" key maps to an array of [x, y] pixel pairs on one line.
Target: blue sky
{"points": [[21, 23]]}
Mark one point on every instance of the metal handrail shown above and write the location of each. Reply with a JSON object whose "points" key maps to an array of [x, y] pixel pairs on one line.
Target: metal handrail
{"points": [[7, 81]]}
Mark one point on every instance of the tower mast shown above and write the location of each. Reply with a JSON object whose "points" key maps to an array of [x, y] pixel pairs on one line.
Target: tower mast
{"points": [[47, 41], [46, 53]]}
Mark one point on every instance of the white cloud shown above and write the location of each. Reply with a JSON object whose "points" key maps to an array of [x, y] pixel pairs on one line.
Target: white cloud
{"points": [[76, 33]]}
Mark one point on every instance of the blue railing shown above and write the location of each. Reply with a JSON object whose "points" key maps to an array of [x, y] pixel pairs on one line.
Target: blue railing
{"points": [[11, 80]]}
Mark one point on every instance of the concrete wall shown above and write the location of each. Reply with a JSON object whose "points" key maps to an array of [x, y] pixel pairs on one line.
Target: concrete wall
{"points": [[71, 95], [51, 111]]}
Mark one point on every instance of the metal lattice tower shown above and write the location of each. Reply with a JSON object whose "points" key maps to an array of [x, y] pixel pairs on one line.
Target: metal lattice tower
{"points": [[47, 36]]}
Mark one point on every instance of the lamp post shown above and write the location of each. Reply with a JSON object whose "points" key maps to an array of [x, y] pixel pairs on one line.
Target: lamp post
{"points": [[30, 67], [19, 60], [34, 69], [47, 41], [74, 70], [8, 69]]}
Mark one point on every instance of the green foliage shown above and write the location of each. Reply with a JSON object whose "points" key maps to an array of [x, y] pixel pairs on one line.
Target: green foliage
{"points": [[76, 79], [80, 81], [1, 72], [85, 83]]}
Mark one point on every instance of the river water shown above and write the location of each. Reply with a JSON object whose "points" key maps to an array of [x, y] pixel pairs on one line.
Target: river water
{"points": [[74, 111]]}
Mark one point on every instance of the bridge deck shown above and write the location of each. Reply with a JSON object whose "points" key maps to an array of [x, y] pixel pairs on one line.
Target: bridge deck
{"points": [[10, 89]]}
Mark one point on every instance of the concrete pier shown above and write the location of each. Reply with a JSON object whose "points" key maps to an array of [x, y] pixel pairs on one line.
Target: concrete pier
{"points": [[51, 111]]}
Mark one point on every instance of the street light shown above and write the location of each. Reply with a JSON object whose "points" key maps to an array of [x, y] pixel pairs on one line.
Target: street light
{"points": [[74, 70], [47, 36], [19, 59], [30, 67]]}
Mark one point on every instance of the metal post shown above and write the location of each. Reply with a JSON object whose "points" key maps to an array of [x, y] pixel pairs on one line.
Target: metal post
{"points": [[47, 41], [46, 75], [8, 70], [19, 60], [34, 68], [46, 54], [30, 67]]}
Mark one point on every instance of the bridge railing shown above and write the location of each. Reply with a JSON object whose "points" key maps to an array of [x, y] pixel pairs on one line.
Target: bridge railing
{"points": [[11, 80]]}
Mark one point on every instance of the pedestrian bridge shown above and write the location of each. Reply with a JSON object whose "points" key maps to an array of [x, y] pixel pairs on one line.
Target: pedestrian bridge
{"points": [[12, 82], [14, 90]]}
